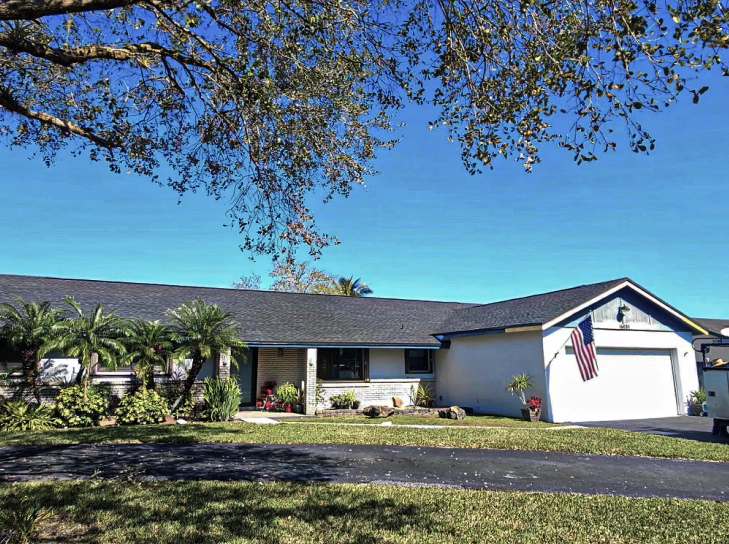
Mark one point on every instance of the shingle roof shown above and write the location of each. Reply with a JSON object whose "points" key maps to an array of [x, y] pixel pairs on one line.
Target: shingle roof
{"points": [[267, 317], [712, 325], [525, 311], [273, 318]]}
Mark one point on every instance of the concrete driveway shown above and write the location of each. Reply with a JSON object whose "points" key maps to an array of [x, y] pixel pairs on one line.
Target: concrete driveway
{"points": [[693, 428]]}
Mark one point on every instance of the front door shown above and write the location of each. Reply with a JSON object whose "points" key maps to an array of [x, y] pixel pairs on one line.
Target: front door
{"points": [[246, 374]]}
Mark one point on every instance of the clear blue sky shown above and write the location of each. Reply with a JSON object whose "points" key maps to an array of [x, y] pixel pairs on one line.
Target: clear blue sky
{"points": [[422, 228]]}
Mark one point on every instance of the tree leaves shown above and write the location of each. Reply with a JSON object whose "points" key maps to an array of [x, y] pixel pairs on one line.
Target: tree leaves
{"points": [[265, 106]]}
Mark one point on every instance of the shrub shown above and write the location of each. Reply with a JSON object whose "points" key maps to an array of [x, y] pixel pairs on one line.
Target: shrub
{"points": [[697, 396], [144, 406], [222, 398], [343, 399], [518, 384], [187, 406], [287, 393], [424, 395], [319, 391], [76, 411], [19, 520], [19, 415]]}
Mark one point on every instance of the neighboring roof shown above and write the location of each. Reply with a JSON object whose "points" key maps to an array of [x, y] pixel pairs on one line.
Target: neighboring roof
{"points": [[295, 319], [714, 326], [267, 317], [525, 311]]}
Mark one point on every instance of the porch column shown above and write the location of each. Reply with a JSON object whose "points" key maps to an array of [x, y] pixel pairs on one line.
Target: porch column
{"points": [[310, 383], [222, 364]]}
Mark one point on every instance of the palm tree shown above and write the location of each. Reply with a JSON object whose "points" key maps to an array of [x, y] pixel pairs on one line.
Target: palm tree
{"points": [[148, 345], [349, 287], [201, 329], [82, 336], [27, 327]]}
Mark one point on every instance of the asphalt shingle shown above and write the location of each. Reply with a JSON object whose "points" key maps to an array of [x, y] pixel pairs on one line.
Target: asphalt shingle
{"points": [[273, 318], [525, 311]]}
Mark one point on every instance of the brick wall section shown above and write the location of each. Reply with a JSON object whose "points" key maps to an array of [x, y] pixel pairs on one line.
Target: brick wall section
{"points": [[281, 365], [379, 392]]}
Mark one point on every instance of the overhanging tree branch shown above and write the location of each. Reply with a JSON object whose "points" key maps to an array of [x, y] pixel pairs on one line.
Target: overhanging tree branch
{"points": [[76, 55], [26, 10], [9, 103]]}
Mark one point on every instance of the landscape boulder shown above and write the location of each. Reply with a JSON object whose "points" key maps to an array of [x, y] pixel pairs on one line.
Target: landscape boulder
{"points": [[453, 412], [108, 422], [397, 401], [378, 411]]}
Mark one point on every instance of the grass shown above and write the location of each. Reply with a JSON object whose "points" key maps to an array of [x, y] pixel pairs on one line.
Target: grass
{"points": [[195, 512], [470, 421], [587, 440]]}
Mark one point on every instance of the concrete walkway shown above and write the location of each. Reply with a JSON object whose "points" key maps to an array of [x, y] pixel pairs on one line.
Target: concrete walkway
{"points": [[471, 468]]}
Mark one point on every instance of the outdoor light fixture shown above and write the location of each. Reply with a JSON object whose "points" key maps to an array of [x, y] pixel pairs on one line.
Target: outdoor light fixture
{"points": [[623, 312], [280, 352]]}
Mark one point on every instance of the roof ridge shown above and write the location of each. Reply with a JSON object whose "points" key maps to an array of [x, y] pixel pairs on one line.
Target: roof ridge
{"points": [[615, 281], [126, 282]]}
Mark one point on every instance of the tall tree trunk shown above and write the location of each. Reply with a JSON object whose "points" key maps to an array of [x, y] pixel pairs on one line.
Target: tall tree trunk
{"points": [[31, 370], [197, 364], [87, 371]]}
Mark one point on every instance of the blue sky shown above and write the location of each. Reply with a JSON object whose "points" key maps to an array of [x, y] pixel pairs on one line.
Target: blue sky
{"points": [[422, 228]]}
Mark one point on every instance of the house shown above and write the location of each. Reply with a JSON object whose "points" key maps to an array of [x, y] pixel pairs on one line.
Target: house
{"points": [[718, 332], [466, 353]]}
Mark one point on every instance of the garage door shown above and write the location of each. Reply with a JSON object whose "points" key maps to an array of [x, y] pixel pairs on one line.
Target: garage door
{"points": [[631, 384]]}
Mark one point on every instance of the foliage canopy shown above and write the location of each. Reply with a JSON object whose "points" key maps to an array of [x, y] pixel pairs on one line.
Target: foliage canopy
{"points": [[267, 103]]}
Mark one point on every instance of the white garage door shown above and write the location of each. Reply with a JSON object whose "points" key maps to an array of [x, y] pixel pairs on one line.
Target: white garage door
{"points": [[631, 384]]}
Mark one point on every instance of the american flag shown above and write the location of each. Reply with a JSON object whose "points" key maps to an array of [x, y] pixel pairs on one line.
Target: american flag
{"points": [[583, 344]]}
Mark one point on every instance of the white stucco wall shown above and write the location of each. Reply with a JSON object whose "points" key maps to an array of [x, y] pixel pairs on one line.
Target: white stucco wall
{"points": [[475, 370], [389, 363], [53, 369], [566, 401]]}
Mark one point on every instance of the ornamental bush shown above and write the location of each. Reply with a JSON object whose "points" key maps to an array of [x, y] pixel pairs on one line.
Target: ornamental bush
{"points": [[222, 398], [170, 392], [141, 408], [74, 410], [19, 415]]}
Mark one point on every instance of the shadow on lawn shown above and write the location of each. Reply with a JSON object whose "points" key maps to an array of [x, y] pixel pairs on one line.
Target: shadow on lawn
{"points": [[225, 462], [187, 512]]}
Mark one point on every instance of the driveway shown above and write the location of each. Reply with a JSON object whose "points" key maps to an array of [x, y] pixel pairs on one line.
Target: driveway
{"points": [[469, 468], [693, 428]]}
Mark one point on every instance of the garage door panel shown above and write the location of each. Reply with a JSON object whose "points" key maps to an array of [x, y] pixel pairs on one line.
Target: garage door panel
{"points": [[631, 384]]}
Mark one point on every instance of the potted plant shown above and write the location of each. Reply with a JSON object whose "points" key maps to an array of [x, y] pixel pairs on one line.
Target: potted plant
{"points": [[696, 400], [287, 395], [531, 411], [300, 403]]}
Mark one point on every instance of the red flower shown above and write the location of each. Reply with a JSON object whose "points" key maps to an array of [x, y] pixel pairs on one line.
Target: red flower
{"points": [[534, 402]]}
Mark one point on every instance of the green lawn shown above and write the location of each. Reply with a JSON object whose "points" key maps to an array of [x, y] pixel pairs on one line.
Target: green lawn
{"points": [[399, 419], [588, 440], [212, 512]]}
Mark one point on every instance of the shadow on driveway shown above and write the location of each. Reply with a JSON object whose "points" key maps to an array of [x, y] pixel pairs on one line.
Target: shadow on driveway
{"points": [[166, 461], [689, 427]]}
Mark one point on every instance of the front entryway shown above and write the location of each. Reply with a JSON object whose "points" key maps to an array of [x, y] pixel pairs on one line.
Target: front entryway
{"points": [[246, 374]]}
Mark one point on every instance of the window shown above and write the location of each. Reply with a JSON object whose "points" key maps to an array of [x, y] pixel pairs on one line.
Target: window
{"points": [[341, 364], [418, 361]]}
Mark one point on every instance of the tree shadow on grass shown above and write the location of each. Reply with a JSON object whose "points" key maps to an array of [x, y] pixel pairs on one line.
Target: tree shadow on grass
{"points": [[187, 512]]}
